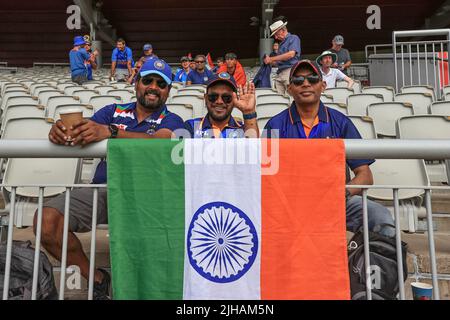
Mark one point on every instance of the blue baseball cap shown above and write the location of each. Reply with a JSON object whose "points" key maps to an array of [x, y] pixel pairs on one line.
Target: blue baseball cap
{"points": [[147, 46], [222, 77], [159, 67], [78, 41]]}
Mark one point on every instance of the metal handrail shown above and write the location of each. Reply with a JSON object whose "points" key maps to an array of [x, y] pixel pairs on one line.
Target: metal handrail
{"points": [[354, 149]]}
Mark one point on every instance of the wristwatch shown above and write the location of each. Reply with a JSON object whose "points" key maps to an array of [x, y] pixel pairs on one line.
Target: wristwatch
{"points": [[250, 116], [114, 131]]}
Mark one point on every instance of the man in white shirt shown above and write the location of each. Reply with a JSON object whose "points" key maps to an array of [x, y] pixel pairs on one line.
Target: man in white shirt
{"points": [[331, 75]]}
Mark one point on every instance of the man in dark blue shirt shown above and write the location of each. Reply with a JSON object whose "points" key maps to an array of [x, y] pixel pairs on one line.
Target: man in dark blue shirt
{"points": [[309, 118], [221, 97], [288, 54], [200, 75], [146, 118], [78, 57]]}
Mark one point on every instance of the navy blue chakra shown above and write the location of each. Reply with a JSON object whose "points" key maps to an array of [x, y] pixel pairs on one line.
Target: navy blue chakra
{"points": [[222, 242]]}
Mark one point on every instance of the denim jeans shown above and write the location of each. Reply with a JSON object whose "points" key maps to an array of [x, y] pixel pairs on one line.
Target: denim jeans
{"points": [[377, 214]]}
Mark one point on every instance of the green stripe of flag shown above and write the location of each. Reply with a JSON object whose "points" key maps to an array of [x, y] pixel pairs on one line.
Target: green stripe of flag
{"points": [[146, 209]]}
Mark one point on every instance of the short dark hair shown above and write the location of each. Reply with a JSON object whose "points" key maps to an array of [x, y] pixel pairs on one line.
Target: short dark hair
{"points": [[121, 40], [220, 59], [230, 56]]}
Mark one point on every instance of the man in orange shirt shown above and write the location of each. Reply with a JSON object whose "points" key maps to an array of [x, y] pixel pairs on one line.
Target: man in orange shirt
{"points": [[234, 68]]}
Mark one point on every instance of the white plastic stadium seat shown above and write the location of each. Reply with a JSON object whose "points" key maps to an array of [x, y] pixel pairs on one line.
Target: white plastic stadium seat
{"points": [[268, 110], [54, 102], [340, 95], [90, 85], [125, 95], [99, 102], [420, 101], [197, 102], [68, 91], [17, 111], [418, 89], [356, 85], [185, 111], [357, 103], [103, 89], [46, 94], [365, 126], [85, 95], [325, 98], [385, 115], [188, 91], [440, 108], [387, 92], [424, 127], [11, 94], [272, 98], [21, 100], [341, 107]]}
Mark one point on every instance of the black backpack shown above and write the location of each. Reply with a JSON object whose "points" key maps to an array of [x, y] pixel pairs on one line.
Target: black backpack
{"points": [[21, 275], [383, 261]]}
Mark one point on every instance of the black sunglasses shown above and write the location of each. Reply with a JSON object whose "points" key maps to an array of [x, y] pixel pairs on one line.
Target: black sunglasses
{"points": [[226, 98], [312, 79], [200, 61], [162, 84]]}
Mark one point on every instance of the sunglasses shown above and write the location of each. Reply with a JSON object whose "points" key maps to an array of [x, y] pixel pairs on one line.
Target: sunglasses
{"points": [[200, 61], [162, 84], [312, 79], [226, 98]]}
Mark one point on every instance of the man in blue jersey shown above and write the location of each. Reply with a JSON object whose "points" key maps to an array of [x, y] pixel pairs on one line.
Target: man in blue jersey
{"points": [[91, 64], [221, 98], [182, 73], [121, 61], [78, 57], [200, 75], [147, 118], [148, 52], [309, 118]]}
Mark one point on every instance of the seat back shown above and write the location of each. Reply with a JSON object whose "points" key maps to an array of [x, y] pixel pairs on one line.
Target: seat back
{"points": [[385, 115], [424, 127], [357, 103], [440, 108], [420, 101], [54, 102], [185, 111], [98, 102], [341, 107], [340, 95], [272, 98], [85, 95], [125, 95], [268, 110], [197, 102], [365, 126], [387, 92]]}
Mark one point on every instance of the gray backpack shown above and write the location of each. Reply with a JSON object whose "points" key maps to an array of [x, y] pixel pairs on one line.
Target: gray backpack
{"points": [[21, 275]]}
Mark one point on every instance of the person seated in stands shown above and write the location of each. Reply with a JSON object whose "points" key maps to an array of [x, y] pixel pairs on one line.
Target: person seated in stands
{"points": [[344, 61], [182, 73], [233, 67], [78, 57], [308, 118], [121, 61], [331, 75], [148, 52], [219, 63], [200, 75], [146, 118], [191, 63], [220, 99], [91, 64], [135, 71]]}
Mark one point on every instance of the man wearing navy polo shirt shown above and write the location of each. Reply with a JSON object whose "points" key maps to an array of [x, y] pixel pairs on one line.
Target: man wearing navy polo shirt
{"points": [[309, 118], [200, 75], [146, 118], [220, 99], [121, 61], [287, 56]]}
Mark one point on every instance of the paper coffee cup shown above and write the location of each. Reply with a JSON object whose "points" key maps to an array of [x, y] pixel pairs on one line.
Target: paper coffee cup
{"points": [[422, 291], [70, 117]]}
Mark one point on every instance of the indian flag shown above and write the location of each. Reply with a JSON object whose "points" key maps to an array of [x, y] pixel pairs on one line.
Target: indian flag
{"points": [[227, 219]]}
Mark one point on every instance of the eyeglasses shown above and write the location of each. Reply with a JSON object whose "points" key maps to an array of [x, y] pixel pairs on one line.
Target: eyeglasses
{"points": [[162, 84], [226, 98], [200, 61], [312, 79]]}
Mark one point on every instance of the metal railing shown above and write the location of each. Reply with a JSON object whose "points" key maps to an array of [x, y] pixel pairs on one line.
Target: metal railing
{"points": [[355, 149], [3, 64]]}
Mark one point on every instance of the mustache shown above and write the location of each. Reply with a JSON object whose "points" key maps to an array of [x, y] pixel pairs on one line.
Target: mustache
{"points": [[154, 92]]}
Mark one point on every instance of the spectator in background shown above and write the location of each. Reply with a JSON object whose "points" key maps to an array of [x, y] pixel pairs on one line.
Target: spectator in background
{"points": [[275, 48], [78, 57], [344, 60], [219, 63], [148, 52], [331, 75], [121, 61], [234, 68], [200, 75], [288, 54], [137, 67], [183, 72], [220, 100], [91, 64], [191, 64], [273, 74]]}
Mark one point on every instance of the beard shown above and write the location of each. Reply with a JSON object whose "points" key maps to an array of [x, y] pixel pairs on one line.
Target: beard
{"points": [[153, 105], [220, 118]]}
